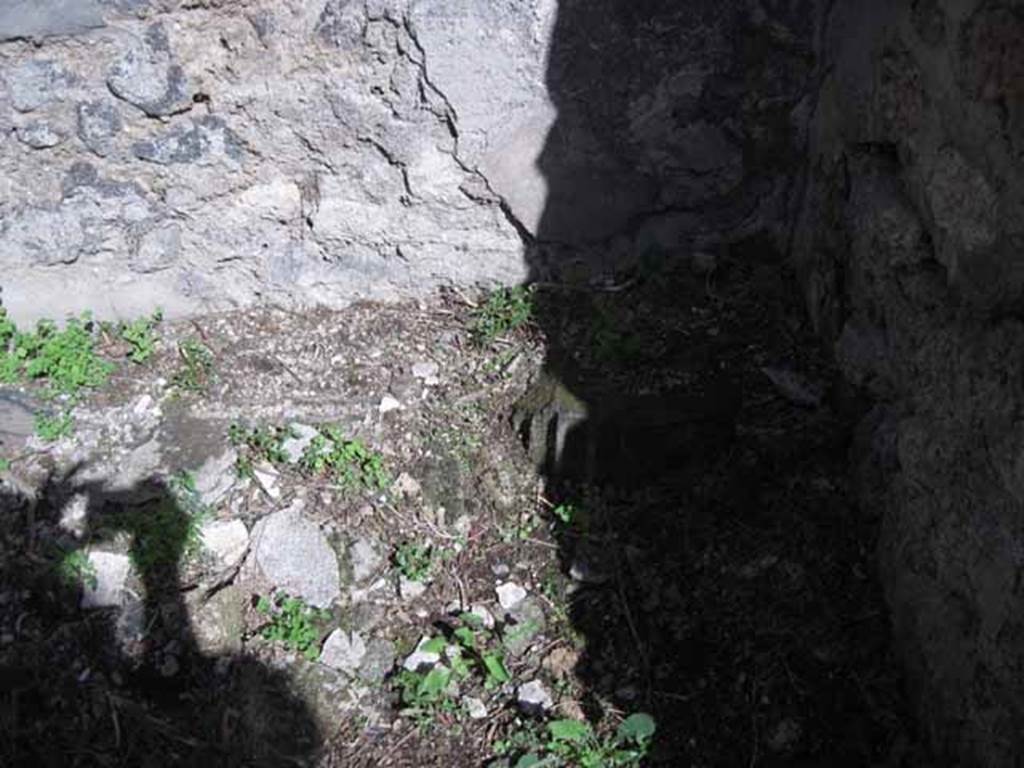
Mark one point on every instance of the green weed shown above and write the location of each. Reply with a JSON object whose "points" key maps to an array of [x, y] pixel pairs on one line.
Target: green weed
{"points": [[257, 444], [416, 562], [164, 535], [75, 569], [196, 370], [470, 652], [293, 624], [574, 743], [52, 428], [505, 310], [140, 337], [349, 463], [66, 360], [5, 464]]}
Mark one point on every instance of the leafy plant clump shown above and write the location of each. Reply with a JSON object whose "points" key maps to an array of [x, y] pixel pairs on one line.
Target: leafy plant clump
{"points": [[169, 532], [140, 337], [257, 444], [66, 360], [196, 370], [51, 428], [349, 463], [470, 653], [292, 623], [414, 561], [505, 310], [574, 743]]}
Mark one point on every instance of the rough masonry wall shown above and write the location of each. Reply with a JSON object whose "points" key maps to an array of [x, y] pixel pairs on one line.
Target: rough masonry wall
{"points": [[207, 155], [911, 247]]}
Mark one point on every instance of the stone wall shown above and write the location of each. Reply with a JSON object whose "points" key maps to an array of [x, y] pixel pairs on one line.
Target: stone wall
{"points": [[910, 244], [207, 155]]}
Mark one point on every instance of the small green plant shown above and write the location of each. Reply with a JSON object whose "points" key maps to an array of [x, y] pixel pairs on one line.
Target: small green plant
{"points": [[65, 360], [520, 528], [140, 337], [469, 652], [196, 370], [5, 464], [505, 310], [414, 561], [292, 623], [566, 514], [168, 532], [574, 743], [349, 463], [257, 444], [51, 428], [75, 569]]}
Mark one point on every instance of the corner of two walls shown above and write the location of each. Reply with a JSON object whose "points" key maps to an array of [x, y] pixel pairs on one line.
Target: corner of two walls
{"points": [[910, 248]]}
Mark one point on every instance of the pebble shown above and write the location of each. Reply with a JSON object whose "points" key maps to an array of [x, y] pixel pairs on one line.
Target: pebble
{"points": [[389, 404], [510, 594], [343, 650], [533, 698], [475, 708], [420, 658]]}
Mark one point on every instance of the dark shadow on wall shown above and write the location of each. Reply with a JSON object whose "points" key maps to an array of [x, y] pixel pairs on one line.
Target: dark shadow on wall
{"points": [[725, 580], [124, 686]]}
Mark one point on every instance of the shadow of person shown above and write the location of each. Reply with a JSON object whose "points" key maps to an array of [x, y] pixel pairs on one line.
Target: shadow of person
{"points": [[125, 685], [700, 514]]}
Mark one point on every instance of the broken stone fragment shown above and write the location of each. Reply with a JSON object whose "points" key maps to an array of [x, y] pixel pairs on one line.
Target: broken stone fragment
{"points": [[421, 658], [294, 556], [148, 76], [207, 136], [343, 651], [108, 573], [98, 123], [510, 594], [534, 698], [40, 135], [226, 541], [366, 559]]}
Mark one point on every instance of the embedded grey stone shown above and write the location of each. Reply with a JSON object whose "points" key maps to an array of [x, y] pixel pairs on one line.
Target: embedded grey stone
{"points": [[343, 651], [293, 555], [157, 249], [219, 623], [420, 658], [510, 594], [48, 18], [378, 660], [207, 136], [474, 707], [35, 83], [105, 586], [534, 698], [17, 416], [98, 123], [366, 558], [148, 77], [226, 541], [410, 590], [40, 135]]}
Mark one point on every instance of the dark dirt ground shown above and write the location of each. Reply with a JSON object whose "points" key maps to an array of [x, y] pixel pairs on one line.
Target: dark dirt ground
{"points": [[723, 578]]}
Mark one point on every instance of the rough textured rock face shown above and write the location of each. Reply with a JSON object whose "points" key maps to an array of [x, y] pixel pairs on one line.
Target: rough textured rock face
{"points": [[205, 156], [910, 242]]}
